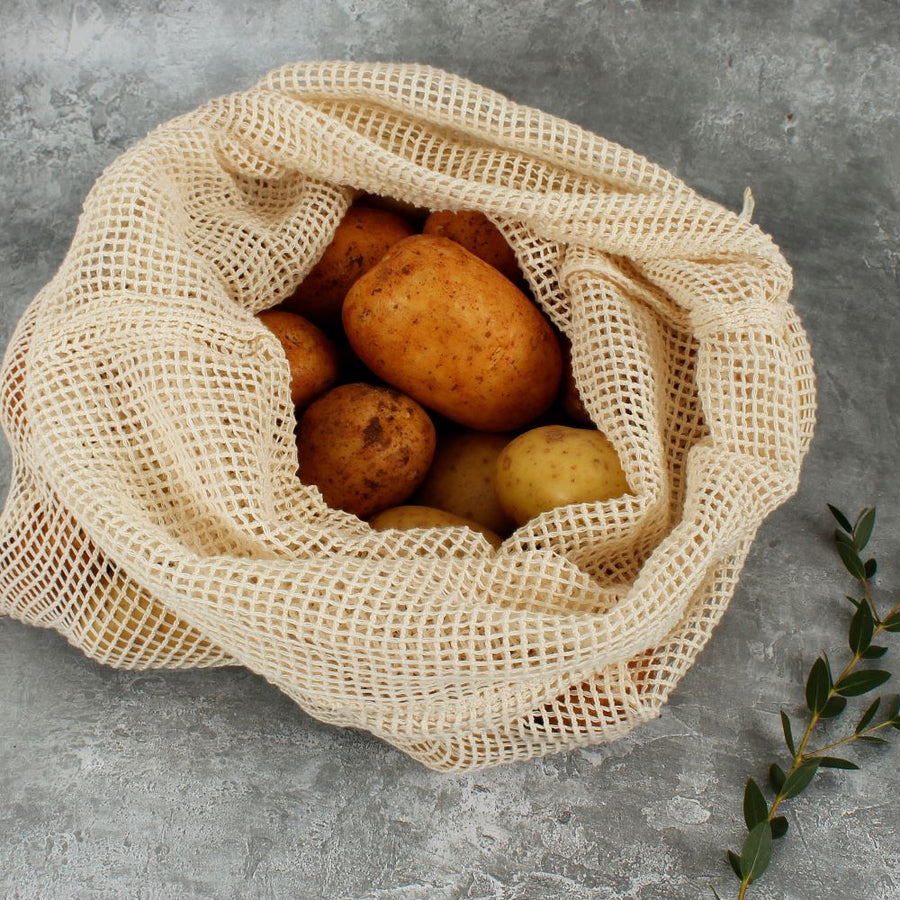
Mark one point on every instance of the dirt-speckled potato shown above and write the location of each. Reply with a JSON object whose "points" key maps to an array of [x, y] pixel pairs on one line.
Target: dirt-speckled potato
{"points": [[406, 517], [461, 478], [364, 447], [312, 357], [479, 235], [364, 235], [555, 466], [444, 327]]}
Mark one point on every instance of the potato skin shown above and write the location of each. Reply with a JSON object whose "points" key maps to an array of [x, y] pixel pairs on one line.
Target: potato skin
{"points": [[364, 235], [450, 331], [555, 466], [406, 517], [364, 447], [479, 235], [461, 478], [313, 358]]}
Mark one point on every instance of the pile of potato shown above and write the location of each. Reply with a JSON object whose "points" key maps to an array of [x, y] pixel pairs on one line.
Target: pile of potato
{"points": [[423, 373]]}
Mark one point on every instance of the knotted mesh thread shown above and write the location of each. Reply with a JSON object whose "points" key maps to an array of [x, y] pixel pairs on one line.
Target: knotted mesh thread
{"points": [[155, 518]]}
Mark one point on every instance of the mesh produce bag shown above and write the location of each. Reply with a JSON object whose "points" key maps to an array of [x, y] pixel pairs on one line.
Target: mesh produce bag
{"points": [[155, 517]]}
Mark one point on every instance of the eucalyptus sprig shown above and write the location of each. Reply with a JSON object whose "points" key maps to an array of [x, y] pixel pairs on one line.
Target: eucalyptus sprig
{"points": [[826, 698]]}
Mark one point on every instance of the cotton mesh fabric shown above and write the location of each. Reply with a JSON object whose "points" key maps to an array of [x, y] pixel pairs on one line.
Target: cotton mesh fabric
{"points": [[155, 518]]}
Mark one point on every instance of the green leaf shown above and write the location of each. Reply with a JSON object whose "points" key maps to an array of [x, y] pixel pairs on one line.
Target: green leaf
{"points": [[842, 520], [852, 562], [779, 827], [874, 652], [893, 708], [818, 684], [776, 777], [870, 568], [756, 809], [871, 739], [863, 528], [788, 735], [799, 780], [857, 683], [862, 627], [835, 762], [735, 861], [852, 600], [841, 538], [756, 851], [834, 707], [892, 623], [867, 716]]}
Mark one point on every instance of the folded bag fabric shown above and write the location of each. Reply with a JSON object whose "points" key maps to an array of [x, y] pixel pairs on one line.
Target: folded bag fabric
{"points": [[155, 517]]}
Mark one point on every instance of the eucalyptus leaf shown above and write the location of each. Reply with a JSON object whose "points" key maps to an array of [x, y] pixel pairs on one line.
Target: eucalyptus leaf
{"points": [[893, 708], [874, 652], [756, 809], [852, 562], [841, 538], [788, 735], [892, 623], [818, 685], [756, 851], [842, 520], [852, 600], [779, 827], [799, 779], [870, 568], [735, 861], [863, 530], [834, 707], [867, 716], [857, 683], [835, 762], [862, 628], [871, 739], [776, 777]]}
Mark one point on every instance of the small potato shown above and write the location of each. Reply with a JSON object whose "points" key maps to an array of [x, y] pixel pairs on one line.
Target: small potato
{"points": [[406, 517], [444, 327], [365, 447], [479, 235], [364, 235], [312, 357], [461, 478], [556, 466]]}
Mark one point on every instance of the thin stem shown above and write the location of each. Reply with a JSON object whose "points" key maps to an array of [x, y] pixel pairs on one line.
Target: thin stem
{"points": [[849, 739]]}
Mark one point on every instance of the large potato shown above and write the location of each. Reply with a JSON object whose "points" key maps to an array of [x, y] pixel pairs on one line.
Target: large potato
{"points": [[446, 328], [461, 478], [364, 235], [556, 466], [312, 357], [406, 517], [479, 235], [364, 447]]}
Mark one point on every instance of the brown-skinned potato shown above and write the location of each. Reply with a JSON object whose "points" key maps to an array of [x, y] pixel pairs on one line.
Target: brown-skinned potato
{"points": [[444, 327]]}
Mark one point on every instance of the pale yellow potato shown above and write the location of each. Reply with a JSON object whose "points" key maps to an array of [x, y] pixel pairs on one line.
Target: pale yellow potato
{"points": [[556, 466], [444, 327], [461, 478], [366, 448], [407, 517]]}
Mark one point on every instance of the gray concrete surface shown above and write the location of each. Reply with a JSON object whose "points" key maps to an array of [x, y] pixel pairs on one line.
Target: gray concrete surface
{"points": [[213, 784]]}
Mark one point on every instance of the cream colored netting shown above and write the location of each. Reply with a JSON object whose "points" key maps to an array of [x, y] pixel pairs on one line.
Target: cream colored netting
{"points": [[155, 518]]}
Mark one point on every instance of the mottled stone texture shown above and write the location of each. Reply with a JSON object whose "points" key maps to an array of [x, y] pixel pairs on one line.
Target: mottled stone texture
{"points": [[213, 784]]}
